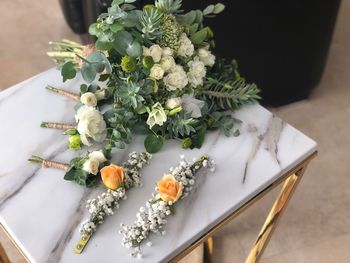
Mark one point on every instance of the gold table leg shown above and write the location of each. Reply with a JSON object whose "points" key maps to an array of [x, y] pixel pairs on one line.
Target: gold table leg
{"points": [[274, 215], [3, 255], [208, 250]]}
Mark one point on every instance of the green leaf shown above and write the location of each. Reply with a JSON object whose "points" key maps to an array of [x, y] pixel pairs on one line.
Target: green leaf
{"points": [[218, 8], [193, 28], [100, 45], [88, 71], [198, 138], [153, 143], [188, 18], [83, 88], [80, 177], [93, 30], [72, 131], [198, 37], [70, 175], [208, 10], [134, 49], [116, 27], [68, 71], [117, 2], [122, 41]]}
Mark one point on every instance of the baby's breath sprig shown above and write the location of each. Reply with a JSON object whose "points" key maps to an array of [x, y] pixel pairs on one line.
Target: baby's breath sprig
{"points": [[153, 217]]}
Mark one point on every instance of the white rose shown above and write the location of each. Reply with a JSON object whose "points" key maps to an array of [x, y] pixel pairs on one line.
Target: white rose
{"points": [[98, 155], [157, 72], [88, 99], [91, 125], [197, 72], [167, 63], [156, 53], [146, 52], [186, 47], [167, 51], [192, 105], [206, 56], [172, 103], [91, 166], [101, 94], [177, 79]]}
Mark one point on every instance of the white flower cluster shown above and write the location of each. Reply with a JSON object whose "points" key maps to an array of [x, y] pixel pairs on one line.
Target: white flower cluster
{"points": [[104, 204], [91, 125], [152, 217], [174, 76], [132, 167], [99, 208]]}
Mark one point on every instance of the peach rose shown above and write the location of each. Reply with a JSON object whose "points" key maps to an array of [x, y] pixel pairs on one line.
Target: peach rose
{"points": [[112, 176], [169, 189]]}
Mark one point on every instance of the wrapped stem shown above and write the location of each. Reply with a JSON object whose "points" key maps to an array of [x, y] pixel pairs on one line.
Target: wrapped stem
{"points": [[57, 125], [49, 164], [65, 93]]}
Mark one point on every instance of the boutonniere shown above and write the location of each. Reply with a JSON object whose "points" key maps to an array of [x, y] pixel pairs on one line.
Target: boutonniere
{"points": [[152, 218]]}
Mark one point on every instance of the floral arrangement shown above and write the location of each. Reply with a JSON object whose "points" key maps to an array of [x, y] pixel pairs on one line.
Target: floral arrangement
{"points": [[118, 180], [157, 75], [175, 185], [90, 169]]}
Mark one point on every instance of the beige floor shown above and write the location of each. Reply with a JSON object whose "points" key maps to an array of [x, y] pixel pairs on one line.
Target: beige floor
{"points": [[316, 226]]}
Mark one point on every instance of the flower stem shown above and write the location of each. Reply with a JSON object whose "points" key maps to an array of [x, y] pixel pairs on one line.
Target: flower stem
{"points": [[68, 94], [49, 164], [56, 125]]}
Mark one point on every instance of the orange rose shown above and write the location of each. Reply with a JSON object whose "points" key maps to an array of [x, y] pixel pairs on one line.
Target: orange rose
{"points": [[169, 189], [112, 176]]}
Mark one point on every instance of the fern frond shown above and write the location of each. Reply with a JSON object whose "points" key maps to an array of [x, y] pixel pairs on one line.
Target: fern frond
{"points": [[230, 95], [169, 6]]}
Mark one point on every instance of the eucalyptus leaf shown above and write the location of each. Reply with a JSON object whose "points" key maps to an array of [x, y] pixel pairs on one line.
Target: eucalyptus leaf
{"points": [[134, 49], [208, 10], [218, 8], [116, 27], [88, 71], [153, 143], [68, 71], [100, 45], [93, 30], [122, 41], [117, 2], [198, 37], [188, 18]]}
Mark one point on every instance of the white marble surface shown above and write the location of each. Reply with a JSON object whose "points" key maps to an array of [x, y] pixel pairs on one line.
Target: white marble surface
{"points": [[42, 211]]}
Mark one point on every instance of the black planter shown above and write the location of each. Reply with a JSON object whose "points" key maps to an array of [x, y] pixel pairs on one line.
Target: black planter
{"points": [[280, 45]]}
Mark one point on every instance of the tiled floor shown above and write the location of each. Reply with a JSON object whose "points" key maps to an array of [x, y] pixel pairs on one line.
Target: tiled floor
{"points": [[316, 225]]}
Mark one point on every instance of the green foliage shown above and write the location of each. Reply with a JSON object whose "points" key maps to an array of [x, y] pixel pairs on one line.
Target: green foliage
{"points": [[150, 22], [198, 37], [181, 125], [212, 10], [186, 143], [153, 143], [169, 6], [81, 177], [230, 95], [95, 63], [68, 71], [128, 95]]}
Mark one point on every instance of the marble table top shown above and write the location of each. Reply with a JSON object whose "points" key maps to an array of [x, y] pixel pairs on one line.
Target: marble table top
{"points": [[42, 212]]}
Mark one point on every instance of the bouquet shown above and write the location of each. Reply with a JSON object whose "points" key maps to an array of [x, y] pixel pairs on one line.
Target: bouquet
{"points": [[153, 72]]}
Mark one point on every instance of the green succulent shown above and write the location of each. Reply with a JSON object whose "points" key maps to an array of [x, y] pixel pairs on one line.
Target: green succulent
{"points": [[168, 6], [150, 22]]}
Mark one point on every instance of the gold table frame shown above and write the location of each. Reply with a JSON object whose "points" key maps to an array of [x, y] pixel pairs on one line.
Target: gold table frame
{"points": [[291, 180]]}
